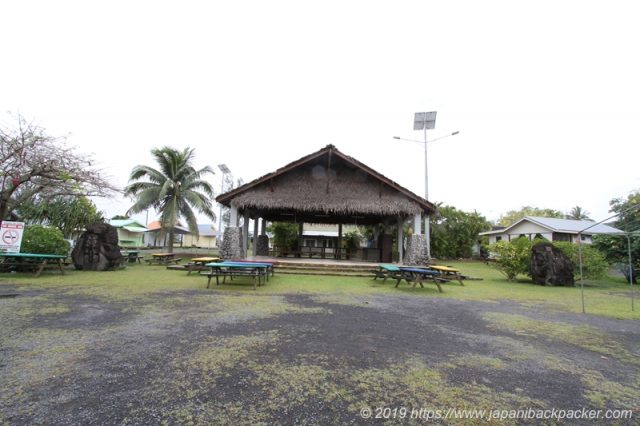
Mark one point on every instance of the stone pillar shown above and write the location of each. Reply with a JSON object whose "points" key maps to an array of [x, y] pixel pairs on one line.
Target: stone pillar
{"points": [[231, 247], [254, 246], [400, 241], [263, 228], [417, 224], [416, 250], [427, 233], [233, 216]]}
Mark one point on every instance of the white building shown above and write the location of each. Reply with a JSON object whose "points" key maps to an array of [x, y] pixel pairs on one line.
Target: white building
{"points": [[550, 228]]}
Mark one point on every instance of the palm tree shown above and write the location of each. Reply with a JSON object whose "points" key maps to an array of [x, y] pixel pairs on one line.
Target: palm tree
{"points": [[577, 213], [174, 190]]}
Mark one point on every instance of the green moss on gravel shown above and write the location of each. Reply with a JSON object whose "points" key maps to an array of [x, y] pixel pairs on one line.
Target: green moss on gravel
{"points": [[582, 336]]}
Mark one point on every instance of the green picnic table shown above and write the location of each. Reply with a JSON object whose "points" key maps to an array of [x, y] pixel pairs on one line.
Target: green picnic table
{"points": [[36, 261]]}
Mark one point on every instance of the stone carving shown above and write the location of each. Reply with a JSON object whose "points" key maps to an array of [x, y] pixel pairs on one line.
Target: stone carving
{"points": [[231, 247], [550, 266], [97, 248]]}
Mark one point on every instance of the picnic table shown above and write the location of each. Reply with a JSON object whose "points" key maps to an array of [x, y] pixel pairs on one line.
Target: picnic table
{"points": [[32, 261], [132, 256], [226, 269], [448, 272], [163, 259], [419, 275], [386, 270], [199, 263]]}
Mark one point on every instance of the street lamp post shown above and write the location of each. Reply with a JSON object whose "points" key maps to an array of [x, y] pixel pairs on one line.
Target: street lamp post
{"points": [[424, 121], [225, 170]]}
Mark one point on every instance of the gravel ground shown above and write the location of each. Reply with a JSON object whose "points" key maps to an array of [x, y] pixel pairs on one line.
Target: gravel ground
{"points": [[215, 357]]}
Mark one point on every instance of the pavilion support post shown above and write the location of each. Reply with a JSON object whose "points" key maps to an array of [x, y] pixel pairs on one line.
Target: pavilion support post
{"points": [[339, 250], [416, 245], [233, 216], [254, 245], [231, 247], [263, 240], [417, 224], [400, 242], [300, 240], [427, 234], [245, 234]]}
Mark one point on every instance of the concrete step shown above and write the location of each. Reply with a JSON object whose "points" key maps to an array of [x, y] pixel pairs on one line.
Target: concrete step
{"points": [[325, 268], [318, 272]]}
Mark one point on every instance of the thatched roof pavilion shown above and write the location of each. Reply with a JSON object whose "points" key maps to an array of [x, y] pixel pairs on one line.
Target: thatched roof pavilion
{"points": [[326, 186]]}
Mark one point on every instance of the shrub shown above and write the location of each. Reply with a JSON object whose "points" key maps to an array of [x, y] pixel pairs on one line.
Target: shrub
{"points": [[43, 240], [594, 264], [512, 257], [353, 240], [285, 235]]}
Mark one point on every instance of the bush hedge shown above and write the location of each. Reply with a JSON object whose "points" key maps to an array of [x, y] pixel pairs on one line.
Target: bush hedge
{"points": [[43, 240]]}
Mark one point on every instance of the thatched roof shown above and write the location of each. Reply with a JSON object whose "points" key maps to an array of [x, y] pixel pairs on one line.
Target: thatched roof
{"points": [[326, 187]]}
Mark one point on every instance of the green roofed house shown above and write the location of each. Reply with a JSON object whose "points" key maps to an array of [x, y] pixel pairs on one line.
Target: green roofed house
{"points": [[130, 232]]}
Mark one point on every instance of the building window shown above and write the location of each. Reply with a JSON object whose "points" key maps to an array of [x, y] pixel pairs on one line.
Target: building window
{"points": [[498, 238]]}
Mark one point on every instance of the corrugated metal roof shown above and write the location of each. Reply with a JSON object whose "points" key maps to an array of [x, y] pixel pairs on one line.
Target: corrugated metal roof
{"points": [[573, 226], [135, 228], [207, 230], [121, 223]]}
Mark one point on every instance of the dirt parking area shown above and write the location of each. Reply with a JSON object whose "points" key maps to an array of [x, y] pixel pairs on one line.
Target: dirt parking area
{"points": [[220, 357]]}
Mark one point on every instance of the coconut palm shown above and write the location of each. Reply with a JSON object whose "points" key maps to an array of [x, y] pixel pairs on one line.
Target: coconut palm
{"points": [[578, 213], [174, 190]]}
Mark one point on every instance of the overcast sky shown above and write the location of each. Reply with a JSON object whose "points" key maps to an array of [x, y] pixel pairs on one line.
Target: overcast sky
{"points": [[545, 94]]}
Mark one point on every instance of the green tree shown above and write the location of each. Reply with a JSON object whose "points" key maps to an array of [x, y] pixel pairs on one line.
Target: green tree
{"points": [[454, 232], [615, 247], [628, 210], [594, 265], [513, 216], [578, 213], [69, 214], [37, 166], [174, 190]]}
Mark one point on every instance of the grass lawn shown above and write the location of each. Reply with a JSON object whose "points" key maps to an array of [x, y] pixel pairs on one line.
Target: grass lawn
{"points": [[146, 345], [607, 297]]}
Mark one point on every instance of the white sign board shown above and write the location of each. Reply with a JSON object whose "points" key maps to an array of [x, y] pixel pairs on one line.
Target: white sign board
{"points": [[11, 236]]}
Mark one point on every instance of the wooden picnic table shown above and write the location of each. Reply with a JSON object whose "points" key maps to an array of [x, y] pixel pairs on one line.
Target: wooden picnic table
{"points": [[234, 269], [448, 272], [418, 276], [199, 263], [132, 256], [35, 261], [163, 259]]}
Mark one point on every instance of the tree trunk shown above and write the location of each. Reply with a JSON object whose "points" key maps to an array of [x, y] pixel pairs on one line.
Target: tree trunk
{"points": [[170, 249]]}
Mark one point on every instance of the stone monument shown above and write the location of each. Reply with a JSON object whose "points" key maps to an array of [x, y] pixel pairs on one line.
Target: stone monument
{"points": [[97, 248], [550, 266]]}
